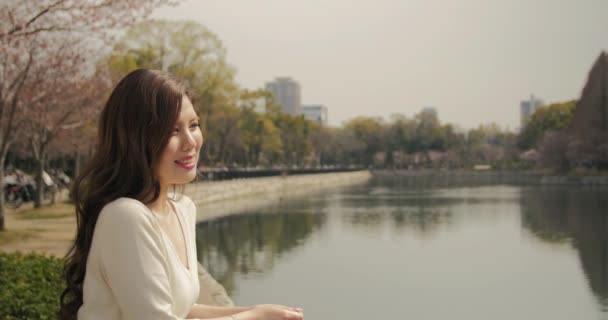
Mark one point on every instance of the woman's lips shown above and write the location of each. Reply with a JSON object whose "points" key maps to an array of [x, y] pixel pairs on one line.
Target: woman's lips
{"points": [[185, 166], [185, 163]]}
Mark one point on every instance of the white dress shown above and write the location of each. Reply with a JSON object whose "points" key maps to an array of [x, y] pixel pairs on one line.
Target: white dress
{"points": [[133, 271]]}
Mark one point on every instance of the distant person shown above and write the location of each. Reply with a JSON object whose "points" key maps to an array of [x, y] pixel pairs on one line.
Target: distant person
{"points": [[134, 256]]}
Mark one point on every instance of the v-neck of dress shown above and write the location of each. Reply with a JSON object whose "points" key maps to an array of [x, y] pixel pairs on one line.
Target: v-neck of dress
{"points": [[183, 232]]}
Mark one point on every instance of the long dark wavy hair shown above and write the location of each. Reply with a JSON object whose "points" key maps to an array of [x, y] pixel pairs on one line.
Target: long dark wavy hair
{"points": [[134, 128]]}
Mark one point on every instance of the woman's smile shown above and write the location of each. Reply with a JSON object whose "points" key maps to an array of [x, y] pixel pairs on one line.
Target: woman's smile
{"points": [[187, 166], [186, 162]]}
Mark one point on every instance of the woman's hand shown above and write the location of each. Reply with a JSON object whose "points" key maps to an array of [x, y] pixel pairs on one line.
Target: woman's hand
{"points": [[272, 312], [299, 310]]}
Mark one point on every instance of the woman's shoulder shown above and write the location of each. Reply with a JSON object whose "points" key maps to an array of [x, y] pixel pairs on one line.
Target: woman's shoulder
{"points": [[125, 210]]}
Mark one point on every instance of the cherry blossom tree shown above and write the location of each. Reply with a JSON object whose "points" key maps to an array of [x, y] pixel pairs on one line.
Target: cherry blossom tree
{"points": [[46, 45]]}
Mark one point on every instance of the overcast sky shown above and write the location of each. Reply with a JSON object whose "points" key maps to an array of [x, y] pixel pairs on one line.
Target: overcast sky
{"points": [[473, 60]]}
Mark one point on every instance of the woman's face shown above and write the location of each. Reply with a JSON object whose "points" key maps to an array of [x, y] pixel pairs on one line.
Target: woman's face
{"points": [[178, 162]]}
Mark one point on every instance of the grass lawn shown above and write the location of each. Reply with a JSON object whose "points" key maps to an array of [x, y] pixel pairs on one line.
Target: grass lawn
{"points": [[59, 210], [7, 236]]}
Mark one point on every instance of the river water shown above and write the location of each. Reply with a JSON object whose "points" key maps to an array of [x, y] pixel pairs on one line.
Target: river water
{"points": [[419, 249]]}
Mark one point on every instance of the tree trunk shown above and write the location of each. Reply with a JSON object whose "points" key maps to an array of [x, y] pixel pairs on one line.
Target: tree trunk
{"points": [[2, 198], [2, 207], [39, 183], [77, 164]]}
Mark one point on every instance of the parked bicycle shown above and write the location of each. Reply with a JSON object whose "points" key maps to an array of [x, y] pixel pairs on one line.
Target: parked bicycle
{"points": [[20, 187], [17, 194]]}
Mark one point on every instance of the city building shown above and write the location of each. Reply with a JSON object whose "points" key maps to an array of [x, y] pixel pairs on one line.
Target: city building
{"points": [[286, 93], [315, 112], [528, 107]]}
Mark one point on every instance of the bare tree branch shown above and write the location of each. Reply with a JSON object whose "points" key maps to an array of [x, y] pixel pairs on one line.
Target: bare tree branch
{"points": [[44, 11]]}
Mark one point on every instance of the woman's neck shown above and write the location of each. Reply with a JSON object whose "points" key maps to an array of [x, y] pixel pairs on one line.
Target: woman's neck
{"points": [[161, 206]]}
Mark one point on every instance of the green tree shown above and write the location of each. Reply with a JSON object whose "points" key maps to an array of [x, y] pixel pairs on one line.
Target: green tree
{"points": [[371, 133], [488, 143], [428, 135], [402, 132], [553, 117], [224, 139], [261, 138], [295, 138], [185, 48], [272, 146]]}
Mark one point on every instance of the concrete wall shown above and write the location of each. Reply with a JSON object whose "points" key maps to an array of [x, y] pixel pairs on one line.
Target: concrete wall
{"points": [[265, 190]]}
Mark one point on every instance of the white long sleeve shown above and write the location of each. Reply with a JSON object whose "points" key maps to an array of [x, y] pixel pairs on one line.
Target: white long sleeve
{"points": [[133, 272]]}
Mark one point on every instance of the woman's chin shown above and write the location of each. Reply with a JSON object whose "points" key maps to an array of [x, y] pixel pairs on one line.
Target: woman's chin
{"points": [[190, 177], [184, 179]]}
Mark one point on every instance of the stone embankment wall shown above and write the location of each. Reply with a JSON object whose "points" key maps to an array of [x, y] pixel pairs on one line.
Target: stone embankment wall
{"points": [[217, 199], [264, 189], [493, 177], [581, 181]]}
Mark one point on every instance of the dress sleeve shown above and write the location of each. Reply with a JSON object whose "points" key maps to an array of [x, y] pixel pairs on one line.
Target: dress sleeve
{"points": [[133, 262]]}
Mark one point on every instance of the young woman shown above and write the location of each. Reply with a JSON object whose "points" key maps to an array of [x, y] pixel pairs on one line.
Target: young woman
{"points": [[134, 255]]}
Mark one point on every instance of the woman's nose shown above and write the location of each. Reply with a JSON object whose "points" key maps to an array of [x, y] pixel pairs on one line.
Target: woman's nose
{"points": [[189, 141]]}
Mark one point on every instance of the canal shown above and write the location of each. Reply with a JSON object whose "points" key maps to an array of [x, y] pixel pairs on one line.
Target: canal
{"points": [[406, 248]]}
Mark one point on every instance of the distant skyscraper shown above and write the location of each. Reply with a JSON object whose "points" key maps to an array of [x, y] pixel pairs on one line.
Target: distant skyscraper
{"points": [[315, 112], [286, 93], [528, 107]]}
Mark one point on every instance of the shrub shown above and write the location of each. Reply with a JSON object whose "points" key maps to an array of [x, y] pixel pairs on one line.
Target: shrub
{"points": [[30, 286]]}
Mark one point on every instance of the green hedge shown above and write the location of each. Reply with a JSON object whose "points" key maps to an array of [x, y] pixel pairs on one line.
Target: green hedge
{"points": [[30, 286]]}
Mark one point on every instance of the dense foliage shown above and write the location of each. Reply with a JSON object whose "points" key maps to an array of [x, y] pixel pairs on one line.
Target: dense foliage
{"points": [[553, 117], [30, 286]]}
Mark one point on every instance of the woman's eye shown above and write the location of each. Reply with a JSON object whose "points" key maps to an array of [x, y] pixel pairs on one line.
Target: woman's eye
{"points": [[194, 125]]}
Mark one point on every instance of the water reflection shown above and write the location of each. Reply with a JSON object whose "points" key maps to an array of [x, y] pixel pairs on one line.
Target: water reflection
{"points": [[578, 215], [425, 219], [419, 204], [452, 179], [250, 243], [454, 244], [415, 213]]}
